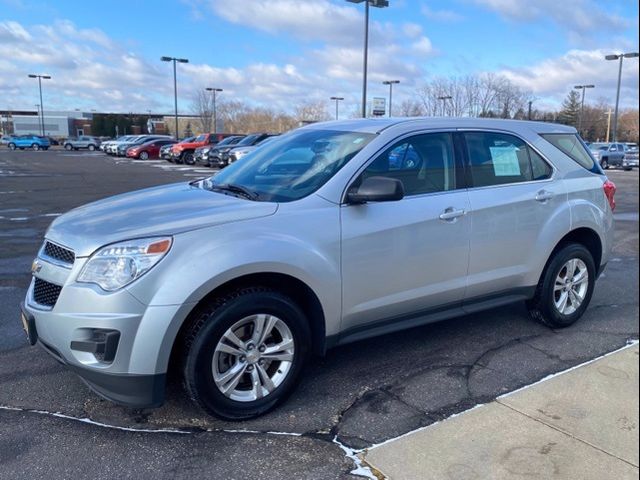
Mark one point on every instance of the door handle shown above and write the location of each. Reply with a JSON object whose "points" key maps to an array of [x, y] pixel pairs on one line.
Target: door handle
{"points": [[543, 196], [451, 214]]}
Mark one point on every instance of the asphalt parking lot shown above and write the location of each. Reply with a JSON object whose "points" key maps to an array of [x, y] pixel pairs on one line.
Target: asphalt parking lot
{"points": [[358, 395]]}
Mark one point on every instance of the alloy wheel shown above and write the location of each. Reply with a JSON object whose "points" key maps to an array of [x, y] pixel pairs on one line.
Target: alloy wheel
{"points": [[253, 357], [570, 287]]}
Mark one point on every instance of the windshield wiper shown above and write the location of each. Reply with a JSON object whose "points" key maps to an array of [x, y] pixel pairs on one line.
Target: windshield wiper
{"points": [[239, 189]]}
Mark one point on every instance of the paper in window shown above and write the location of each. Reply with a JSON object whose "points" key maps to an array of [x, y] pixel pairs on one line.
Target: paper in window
{"points": [[505, 161]]}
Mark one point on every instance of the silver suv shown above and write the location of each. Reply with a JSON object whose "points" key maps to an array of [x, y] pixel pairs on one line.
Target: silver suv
{"points": [[75, 143], [329, 234]]}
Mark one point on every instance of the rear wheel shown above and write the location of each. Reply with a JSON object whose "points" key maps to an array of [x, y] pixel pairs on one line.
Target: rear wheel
{"points": [[35, 146], [92, 148], [245, 352], [187, 158], [68, 147], [566, 287]]}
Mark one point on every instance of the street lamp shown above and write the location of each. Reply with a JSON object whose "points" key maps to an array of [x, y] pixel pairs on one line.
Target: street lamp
{"points": [[337, 99], [367, 3], [616, 57], [175, 85], [391, 83], [444, 99], [40, 77], [215, 117], [584, 89]]}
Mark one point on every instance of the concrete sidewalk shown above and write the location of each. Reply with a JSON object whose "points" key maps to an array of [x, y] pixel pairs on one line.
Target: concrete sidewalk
{"points": [[581, 424]]}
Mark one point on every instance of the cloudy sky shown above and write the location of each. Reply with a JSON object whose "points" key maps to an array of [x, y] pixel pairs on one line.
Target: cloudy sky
{"points": [[281, 52]]}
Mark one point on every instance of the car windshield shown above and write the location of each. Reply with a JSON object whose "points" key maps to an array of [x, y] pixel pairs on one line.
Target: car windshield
{"points": [[248, 140], [291, 167], [201, 138], [227, 141]]}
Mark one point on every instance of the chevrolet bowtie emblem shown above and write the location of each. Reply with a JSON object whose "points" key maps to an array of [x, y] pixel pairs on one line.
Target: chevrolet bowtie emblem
{"points": [[36, 266]]}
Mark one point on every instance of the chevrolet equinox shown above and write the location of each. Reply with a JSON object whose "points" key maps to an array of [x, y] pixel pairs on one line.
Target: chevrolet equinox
{"points": [[329, 234]]}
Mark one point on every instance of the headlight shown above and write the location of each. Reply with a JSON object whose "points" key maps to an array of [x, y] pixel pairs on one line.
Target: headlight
{"points": [[117, 265]]}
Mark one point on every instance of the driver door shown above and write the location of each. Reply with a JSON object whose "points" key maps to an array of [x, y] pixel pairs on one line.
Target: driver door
{"points": [[407, 257]]}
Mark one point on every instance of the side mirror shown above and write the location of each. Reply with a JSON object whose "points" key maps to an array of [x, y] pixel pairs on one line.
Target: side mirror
{"points": [[377, 189]]}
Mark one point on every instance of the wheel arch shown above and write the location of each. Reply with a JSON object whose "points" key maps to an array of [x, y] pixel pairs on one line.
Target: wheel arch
{"points": [[289, 285]]}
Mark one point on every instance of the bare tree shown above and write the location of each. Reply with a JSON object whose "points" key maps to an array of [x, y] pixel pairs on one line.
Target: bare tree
{"points": [[202, 107], [310, 111]]}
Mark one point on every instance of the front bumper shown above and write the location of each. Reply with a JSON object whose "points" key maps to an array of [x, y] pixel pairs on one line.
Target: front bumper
{"points": [[131, 369]]}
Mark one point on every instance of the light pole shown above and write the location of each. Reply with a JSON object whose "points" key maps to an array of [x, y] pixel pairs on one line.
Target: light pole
{"points": [[367, 3], [337, 99], [444, 99], [215, 116], [616, 57], [584, 89], [391, 83], [175, 85], [40, 77]]}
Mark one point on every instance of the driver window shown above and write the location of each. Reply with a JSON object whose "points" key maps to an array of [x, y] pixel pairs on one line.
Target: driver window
{"points": [[423, 163]]}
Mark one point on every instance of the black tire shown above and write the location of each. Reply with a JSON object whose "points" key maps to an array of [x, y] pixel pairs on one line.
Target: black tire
{"points": [[208, 326], [68, 147], [188, 158], [12, 146], [143, 156], [604, 164], [542, 307], [35, 147], [91, 148]]}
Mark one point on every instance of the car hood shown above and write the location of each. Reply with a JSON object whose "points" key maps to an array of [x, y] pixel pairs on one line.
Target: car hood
{"points": [[164, 210]]}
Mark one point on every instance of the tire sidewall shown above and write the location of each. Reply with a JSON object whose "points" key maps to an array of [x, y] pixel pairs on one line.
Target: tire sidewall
{"points": [[144, 155], [200, 355], [559, 260]]}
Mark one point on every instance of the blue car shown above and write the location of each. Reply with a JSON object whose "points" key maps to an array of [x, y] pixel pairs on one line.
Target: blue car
{"points": [[29, 141]]}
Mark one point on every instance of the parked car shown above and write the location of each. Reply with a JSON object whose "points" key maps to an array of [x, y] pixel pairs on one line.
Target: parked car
{"points": [[316, 240], [83, 141], [4, 139], [121, 148], [112, 146], [221, 157], [33, 142], [183, 152], [608, 154], [630, 159], [165, 152], [150, 149], [237, 153], [202, 154]]}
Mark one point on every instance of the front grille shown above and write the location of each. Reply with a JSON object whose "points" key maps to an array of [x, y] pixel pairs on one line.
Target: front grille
{"points": [[45, 293], [59, 253]]}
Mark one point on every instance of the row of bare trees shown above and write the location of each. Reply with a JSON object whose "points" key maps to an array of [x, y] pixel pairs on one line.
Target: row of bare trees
{"points": [[485, 95]]}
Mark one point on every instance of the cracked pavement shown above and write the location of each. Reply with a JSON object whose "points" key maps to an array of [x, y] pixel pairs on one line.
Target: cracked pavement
{"points": [[363, 393]]}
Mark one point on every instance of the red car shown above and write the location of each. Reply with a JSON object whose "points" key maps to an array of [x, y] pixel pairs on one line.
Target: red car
{"points": [[148, 150], [183, 152]]}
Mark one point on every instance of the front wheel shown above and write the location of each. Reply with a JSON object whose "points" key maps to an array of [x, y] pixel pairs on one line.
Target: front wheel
{"points": [[604, 164], [188, 159], [92, 148], [35, 147], [566, 287], [244, 353], [144, 156], [12, 146]]}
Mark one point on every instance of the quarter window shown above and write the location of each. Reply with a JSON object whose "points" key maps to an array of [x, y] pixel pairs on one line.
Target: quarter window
{"points": [[423, 163], [497, 159]]}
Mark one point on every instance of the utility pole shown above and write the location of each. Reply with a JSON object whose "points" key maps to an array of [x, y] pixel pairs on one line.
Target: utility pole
{"points": [[391, 83], [620, 57], [529, 112], [40, 77], [584, 89], [608, 123]]}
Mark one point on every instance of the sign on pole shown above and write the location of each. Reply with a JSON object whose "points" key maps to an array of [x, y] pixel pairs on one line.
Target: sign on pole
{"points": [[379, 106]]}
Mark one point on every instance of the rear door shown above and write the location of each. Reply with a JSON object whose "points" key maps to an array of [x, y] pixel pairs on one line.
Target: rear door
{"points": [[512, 195], [407, 257]]}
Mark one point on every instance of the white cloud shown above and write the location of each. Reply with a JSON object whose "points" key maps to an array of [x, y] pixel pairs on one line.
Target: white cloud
{"points": [[422, 46], [412, 30], [580, 18], [555, 77], [441, 15]]}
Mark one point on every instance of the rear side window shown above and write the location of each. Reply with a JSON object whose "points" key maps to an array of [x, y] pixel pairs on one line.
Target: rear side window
{"points": [[570, 145], [497, 159]]}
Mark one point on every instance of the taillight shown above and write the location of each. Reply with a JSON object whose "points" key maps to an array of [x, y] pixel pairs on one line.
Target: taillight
{"points": [[610, 192]]}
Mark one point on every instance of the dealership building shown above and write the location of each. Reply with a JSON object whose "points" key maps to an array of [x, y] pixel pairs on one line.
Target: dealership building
{"points": [[56, 124]]}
